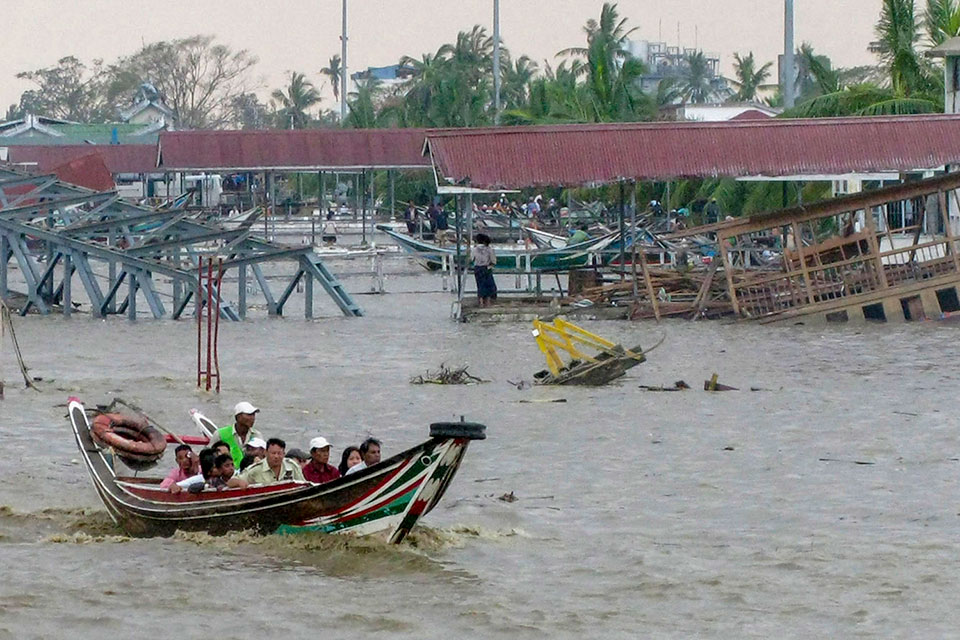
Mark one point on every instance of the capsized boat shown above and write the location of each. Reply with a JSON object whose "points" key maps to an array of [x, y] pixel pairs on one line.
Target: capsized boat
{"points": [[387, 499], [585, 369]]}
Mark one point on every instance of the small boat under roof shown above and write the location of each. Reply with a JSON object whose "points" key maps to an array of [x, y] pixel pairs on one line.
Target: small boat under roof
{"points": [[387, 499]]}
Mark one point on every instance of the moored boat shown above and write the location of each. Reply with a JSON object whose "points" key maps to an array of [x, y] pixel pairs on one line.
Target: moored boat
{"points": [[387, 498]]}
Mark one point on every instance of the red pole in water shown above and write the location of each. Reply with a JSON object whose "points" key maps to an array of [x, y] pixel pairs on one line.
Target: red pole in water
{"points": [[209, 315], [199, 318], [216, 324]]}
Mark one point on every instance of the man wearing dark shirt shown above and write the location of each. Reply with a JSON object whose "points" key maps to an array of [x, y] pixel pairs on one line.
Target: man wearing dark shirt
{"points": [[318, 469]]}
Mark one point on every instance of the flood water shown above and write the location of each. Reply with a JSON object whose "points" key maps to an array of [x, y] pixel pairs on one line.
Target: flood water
{"points": [[824, 504]]}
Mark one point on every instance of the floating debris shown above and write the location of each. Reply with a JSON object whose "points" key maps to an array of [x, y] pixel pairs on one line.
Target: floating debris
{"points": [[508, 497], [679, 385], [713, 385], [542, 400], [446, 375]]}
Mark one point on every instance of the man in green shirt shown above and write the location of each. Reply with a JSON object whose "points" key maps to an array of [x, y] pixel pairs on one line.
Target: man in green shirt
{"points": [[241, 431], [275, 467], [580, 235]]}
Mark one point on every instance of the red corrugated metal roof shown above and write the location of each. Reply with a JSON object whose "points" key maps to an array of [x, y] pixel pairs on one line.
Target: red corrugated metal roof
{"points": [[88, 171], [752, 114], [118, 158], [585, 154], [310, 149]]}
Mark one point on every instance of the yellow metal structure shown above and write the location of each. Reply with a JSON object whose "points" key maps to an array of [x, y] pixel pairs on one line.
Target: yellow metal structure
{"points": [[566, 336]]}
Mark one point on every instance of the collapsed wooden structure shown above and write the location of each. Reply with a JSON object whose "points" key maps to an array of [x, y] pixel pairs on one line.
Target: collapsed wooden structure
{"points": [[837, 260]]}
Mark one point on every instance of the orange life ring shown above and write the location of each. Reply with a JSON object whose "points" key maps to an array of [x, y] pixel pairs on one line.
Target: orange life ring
{"points": [[129, 436]]}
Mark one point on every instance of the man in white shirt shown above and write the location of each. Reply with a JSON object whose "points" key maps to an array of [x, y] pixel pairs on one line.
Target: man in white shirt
{"points": [[370, 450]]}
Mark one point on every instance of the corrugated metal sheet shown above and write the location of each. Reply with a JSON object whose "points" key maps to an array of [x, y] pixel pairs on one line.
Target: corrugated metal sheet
{"points": [[88, 171], [589, 154], [118, 158], [310, 149]]}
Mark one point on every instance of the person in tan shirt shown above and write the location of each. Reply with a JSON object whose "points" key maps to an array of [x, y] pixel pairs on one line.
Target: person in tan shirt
{"points": [[274, 467]]}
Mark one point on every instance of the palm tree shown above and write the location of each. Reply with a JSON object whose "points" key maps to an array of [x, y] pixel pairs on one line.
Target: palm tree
{"points": [[610, 72], [748, 77], [897, 35], [517, 76], [298, 96], [942, 20], [695, 83], [815, 75], [333, 71]]}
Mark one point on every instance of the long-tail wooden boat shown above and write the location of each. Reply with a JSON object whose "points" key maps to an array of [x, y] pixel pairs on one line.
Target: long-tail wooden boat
{"points": [[386, 499], [509, 257]]}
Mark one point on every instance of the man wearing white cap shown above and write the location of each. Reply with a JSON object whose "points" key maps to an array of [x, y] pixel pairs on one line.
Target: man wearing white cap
{"points": [[319, 468], [238, 434]]}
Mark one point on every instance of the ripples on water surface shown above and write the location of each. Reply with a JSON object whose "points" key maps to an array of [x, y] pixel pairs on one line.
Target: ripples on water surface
{"points": [[640, 514]]}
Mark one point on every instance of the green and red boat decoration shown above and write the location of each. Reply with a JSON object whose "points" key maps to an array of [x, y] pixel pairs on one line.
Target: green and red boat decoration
{"points": [[387, 499]]}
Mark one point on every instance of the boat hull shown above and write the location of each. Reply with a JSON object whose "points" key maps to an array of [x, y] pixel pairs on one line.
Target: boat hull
{"points": [[387, 499]]}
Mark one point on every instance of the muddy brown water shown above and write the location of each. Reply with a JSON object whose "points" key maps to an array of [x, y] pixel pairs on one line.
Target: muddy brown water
{"points": [[639, 514]]}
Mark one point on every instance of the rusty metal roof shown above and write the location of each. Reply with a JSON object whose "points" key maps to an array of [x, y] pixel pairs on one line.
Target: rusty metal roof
{"points": [[118, 158], [294, 150], [493, 158], [88, 171]]}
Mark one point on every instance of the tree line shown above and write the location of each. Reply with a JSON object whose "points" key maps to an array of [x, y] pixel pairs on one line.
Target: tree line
{"points": [[209, 85]]}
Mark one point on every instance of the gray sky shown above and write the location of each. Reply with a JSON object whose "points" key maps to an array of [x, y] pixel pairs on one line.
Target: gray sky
{"points": [[301, 35]]}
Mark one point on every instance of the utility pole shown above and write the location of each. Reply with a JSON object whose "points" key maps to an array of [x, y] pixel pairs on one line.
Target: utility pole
{"points": [[343, 67], [788, 72], [496, 61]]}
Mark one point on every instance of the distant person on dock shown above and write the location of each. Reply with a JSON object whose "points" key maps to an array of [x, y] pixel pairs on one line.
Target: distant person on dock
{"points": [[241, 431], [370, 450], [319, 469], [410, 217], [188, 465], [580, 235], [329, 233], [712, 211], [275, 467], [350, 458], [484, 259]]}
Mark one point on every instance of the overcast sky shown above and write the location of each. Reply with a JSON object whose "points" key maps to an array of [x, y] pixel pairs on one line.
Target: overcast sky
{"points": [[301, 35]]}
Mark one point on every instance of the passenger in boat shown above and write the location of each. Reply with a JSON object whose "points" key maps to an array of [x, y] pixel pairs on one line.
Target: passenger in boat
{"points": [[299, 456], [319, 469], [220, 447], [256, 447], [188, 465], [241, 431], [198, 482], [248, 459], [484, 259], [224, 478], [275, 467], [370, 451], [350, 458]]}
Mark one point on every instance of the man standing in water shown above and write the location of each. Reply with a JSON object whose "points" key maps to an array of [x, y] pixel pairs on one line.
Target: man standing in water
{"points": [[241, 431]]}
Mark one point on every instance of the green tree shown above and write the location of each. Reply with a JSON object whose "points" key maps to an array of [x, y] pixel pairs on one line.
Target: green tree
{"points": [[695, 83], [197, 78], [610, 72], [69, 91], [941, 20], [333, 72], [749, 77], [294, 100]]}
